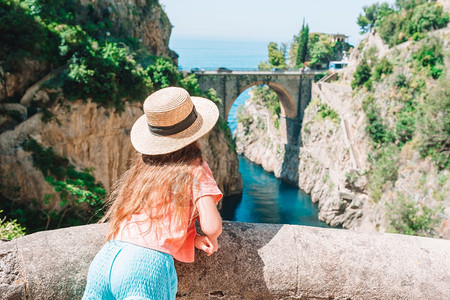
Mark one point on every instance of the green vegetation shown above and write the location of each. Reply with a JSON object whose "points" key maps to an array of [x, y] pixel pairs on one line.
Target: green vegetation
{"points": [[433, 125], [362, 76], [371, 14], [80, 197], [10, 229], [325, 111], [430, 58], [23, 36], [277, 57], [383, 68], [409, 19], [244, 118], [384, 171], [409, 217], [302, 48], [321, 48], [268, 98], [307, 49], [375, 128], [102, 61], [105, 74], [12, 113], [416, 111]]}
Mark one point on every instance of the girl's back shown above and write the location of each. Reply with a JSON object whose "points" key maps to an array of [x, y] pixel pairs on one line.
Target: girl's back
{"points": [[156, 202]]}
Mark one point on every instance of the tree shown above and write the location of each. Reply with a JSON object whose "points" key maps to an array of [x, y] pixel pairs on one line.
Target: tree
{"points": [[320, 49], [302, 50], [371, 14], [362, 75], [277, 56], [409, 4]]}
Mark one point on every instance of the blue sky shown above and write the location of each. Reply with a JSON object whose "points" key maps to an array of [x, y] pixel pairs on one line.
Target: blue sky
{"points": [[262, 20]]}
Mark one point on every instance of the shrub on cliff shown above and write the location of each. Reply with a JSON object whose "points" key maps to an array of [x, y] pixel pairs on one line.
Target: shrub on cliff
{"points": [[409, 20], [433, 125], [362, 75], [105, 74], [325, 111], [80, 198], [410, 217], [430, 58], [384, 170], [244, 118], [268, 98], [383, 68], [22, 36], [10, 229]]}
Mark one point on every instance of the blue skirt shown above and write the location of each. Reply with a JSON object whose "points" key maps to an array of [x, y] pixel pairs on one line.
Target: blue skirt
{"points": [[121, 270]]}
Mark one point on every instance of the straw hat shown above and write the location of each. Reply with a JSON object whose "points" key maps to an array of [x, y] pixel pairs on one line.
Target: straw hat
{"points": [[172, 120]]}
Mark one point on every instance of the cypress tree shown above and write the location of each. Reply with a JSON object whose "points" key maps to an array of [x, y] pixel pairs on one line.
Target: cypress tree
{"points": [[302, 50]]}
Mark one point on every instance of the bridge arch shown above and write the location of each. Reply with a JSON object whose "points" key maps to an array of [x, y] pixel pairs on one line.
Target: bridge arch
{"points": [[293, 90], [287, 103]]}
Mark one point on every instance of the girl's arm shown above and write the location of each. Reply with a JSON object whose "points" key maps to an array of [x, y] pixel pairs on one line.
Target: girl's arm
{"points": [[210, 223]]}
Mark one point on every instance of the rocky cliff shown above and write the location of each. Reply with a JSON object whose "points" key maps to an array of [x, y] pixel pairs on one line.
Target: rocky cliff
{"points": [[95, 137], [257, 138], [362, 154], [144, 20], [84, 134], [321, 165]]}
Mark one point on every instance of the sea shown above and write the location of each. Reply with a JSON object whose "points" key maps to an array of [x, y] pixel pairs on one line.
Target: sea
{"points": [[265, 198]]}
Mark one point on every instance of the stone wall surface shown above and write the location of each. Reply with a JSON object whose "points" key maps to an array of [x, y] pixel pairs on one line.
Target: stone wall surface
{"points": [[254, 261]]}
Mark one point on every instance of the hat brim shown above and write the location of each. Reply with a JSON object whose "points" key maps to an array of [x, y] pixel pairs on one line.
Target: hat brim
{"points": [[146, 142]]}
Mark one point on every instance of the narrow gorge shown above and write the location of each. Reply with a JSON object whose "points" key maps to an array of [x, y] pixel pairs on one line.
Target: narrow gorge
{"points": [[390, 185]]}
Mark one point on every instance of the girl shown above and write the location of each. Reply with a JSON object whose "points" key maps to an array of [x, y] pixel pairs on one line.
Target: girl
{"points": [[156, 202]]}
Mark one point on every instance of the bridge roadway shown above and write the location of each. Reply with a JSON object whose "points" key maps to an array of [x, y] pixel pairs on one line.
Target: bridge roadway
{"points": [[256, 72], [293, 89]]}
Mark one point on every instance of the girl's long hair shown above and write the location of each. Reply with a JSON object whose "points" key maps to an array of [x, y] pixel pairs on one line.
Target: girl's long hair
{"points": [[154, 184]]}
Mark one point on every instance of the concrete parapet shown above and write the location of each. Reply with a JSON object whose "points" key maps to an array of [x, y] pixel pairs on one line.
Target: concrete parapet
{"points": [[255, 261]]}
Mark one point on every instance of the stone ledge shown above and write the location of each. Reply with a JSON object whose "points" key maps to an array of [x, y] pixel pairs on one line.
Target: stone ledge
{"points": [[255, 261]]}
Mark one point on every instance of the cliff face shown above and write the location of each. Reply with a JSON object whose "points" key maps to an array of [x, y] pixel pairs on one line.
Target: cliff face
{"points": [[359, 183], [140, 19], [88, 135], [95, 137], [321, 165], [258, 139]]}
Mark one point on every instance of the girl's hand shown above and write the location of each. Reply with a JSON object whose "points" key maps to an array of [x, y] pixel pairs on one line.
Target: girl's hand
{"points": [[206, 244]]}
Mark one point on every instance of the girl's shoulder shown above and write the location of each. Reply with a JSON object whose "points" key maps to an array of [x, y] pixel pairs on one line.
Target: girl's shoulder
{"points": [[202, 169]]}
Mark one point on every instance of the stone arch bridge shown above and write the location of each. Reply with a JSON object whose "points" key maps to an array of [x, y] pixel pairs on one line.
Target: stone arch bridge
{"points": [[292, 88]]}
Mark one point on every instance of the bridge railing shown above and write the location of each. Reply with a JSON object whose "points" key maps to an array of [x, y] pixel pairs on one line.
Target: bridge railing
{"points": [[238, 69]]}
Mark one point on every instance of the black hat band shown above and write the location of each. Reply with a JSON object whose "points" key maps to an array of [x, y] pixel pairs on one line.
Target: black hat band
{"points": [[176, 128]]}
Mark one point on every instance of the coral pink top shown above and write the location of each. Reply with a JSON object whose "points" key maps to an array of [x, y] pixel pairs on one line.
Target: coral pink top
{"points": [[173, 237]]}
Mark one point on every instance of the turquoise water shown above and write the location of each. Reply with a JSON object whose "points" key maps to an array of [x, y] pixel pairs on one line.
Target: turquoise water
{"points": [[265, 199]]}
